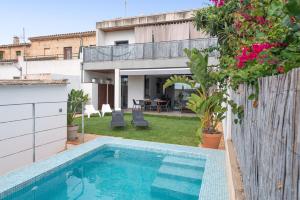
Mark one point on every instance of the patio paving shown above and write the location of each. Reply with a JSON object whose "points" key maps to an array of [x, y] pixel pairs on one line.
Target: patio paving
{"points": [[89, 137]]}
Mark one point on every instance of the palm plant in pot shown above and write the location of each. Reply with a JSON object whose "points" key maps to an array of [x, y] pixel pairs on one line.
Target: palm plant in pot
{"points": [[207, 100], [76, 98]]}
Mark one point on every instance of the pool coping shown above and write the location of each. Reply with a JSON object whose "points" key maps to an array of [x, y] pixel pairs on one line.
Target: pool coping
{"points": [[214, 180]]}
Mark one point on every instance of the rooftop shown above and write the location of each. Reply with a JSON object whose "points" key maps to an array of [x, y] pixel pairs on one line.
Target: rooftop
{"points": [[131, 22], [51, 37], [64, 35], [33, 82], [14, 45]]}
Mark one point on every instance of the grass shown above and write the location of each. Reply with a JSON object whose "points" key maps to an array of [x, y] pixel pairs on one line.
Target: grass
{"points": [[164, 129]]}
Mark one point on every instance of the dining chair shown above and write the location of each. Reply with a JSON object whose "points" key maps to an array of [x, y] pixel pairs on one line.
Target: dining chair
{"points": [[153, 105], [135, 104], [165, 106]]}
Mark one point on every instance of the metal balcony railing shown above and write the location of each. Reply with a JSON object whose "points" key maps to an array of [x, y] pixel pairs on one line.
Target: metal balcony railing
{"points": [[157, 50], [52, 57]]}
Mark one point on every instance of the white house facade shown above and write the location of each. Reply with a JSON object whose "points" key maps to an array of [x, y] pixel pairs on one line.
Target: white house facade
{"points": [[134, 57]]}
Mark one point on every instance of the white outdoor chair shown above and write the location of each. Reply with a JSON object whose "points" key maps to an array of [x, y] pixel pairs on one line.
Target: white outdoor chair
{"points": [[105, 109], [89, 109]]}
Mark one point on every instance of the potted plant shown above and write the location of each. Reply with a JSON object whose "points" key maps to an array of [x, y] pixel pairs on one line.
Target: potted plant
{"points": [[76, 99], [207, 99]]}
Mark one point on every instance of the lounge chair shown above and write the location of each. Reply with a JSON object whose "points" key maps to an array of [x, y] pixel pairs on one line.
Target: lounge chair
{"points": [[138, 119], [117, 119], [89, 109]]}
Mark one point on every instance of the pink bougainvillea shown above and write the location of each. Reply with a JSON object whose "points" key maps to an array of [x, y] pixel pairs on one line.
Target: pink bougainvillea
{"points": [[246, 16], [218, 3], [280, 69], [250, 54], [253, 53], [261, 20]]}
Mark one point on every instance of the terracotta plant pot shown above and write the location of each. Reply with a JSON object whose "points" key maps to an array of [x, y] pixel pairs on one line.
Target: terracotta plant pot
{"points": [[211, 140], [73, 133]]}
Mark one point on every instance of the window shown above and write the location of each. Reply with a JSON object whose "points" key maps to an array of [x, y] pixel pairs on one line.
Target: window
{"points": [[18, 53], [121, 42], [68, 53], [46, 51], [1, 55]]}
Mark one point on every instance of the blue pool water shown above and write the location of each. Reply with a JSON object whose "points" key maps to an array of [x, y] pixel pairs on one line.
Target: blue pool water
{"points": [[120, 174]]}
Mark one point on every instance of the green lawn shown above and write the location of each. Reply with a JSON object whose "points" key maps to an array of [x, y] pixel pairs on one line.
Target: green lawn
{"points": [[163, 129]]}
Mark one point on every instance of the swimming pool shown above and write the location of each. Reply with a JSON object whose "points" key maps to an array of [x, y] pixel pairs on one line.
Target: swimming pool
{"points": [[111, 168]]}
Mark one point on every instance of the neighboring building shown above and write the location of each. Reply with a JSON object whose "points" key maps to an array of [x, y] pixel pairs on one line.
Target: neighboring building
{"points": [[136, 55], [60, 46], [50, 47], [47, 57], [10, 52]]}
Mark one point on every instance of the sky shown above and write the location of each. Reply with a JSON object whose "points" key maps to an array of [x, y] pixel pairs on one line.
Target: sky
{"points": [[46, 17]]}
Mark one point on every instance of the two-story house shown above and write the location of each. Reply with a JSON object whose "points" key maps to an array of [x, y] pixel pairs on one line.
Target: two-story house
{"points": [[134, 57]]}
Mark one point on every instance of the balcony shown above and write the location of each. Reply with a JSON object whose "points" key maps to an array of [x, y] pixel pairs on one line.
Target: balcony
{"points": [[52, 57], [8, 61], [158, 50]]}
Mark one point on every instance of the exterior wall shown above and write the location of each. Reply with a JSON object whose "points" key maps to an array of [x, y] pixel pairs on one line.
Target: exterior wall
{"points": [[147, 19], [109, 38], [16, 137], [10, 52], [56, 46], [55, 69], [9, 71], [136, 87], [92, 90], [98, 76], [64, 67]]}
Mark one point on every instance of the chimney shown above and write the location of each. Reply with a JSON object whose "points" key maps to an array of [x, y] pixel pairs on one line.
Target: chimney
{"points": [[16, 40]]}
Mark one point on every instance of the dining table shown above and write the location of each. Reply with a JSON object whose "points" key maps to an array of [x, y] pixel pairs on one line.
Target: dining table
{"points": [[159, 103]]}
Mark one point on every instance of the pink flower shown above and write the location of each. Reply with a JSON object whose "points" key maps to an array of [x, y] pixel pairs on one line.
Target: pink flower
{"points": [[261, 20], [293, 20], [248, 55], [280, 69], [218, 3], [246, 16]]}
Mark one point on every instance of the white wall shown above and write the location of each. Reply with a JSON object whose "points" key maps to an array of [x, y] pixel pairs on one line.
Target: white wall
{"points": [[8, 71], [65, 67], [92, 90], [59, 69], [109, 38], [136, 87], [16, 137], [89, 75]]}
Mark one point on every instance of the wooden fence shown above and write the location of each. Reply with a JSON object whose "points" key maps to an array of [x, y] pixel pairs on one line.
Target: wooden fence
{"points": [[267, 142]]}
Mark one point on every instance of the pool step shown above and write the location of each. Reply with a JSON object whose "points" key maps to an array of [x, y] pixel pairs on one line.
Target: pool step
{"points": [[192, 175], [169, 188], [184, 162]]}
